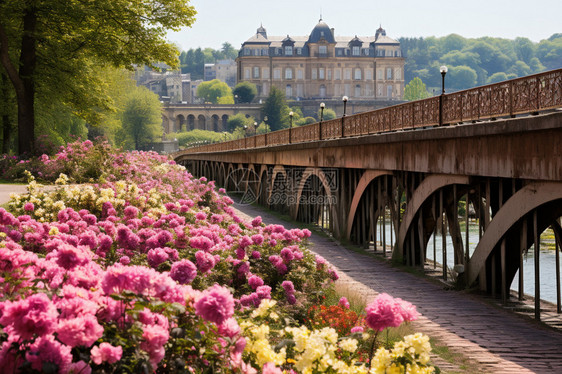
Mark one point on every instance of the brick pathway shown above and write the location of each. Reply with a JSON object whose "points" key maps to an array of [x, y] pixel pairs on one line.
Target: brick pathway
{"points": [[492, 340]]}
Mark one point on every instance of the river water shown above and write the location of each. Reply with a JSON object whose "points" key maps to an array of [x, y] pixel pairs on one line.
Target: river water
{"points": [[547, 261]]}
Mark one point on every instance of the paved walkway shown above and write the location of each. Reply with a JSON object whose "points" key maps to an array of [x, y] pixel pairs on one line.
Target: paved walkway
{"points": [[7, 189], [490, 339]]}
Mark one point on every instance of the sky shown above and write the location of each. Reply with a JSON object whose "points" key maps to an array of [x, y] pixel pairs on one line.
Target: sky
{"points": [[234, 21]]}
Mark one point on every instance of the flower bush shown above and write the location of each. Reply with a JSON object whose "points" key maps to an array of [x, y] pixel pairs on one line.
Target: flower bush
{"points": [[148, 269]]}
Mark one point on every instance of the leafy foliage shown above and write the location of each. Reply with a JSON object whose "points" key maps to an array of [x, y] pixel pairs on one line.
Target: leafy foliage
{"points": [[216, 92], [276, 109], [415, 90], [484, 57], [245, 91]]}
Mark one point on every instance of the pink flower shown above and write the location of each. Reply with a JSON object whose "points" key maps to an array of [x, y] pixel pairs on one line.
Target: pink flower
{"points": [[205, 261], [344, 303], [155, 337], [288, 286], [216, 304], [407, 309], [229, 328], [256, 221], [34, 315], [183, 272], [80, 367], [201, 242], [81, 331], [156, 256], [106, 353], [29, 207], [201, 216], [255, 281], [46, 350], [383, 312], [270, 368], [358, 329]]}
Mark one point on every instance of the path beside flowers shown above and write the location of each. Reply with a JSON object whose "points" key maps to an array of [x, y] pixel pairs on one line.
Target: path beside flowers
{"points": [[7, 189], [492, 339]]}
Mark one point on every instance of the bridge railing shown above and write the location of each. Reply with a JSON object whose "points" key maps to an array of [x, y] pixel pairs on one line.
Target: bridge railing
{"points": [[529, 94]]}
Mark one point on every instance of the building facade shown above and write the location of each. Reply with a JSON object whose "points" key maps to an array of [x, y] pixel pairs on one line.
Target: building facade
{"points": [[223, 70], [323, 66]]}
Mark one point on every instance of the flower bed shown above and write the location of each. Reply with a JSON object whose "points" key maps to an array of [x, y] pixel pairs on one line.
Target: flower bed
{"points": [[147, 269]]}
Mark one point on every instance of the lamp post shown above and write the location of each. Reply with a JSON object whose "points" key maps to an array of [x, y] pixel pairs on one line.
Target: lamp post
{"points": [[255, 128], [322, 106], [245, 130], [291, 118], [224, 133], [443, 69], [344, 99], [291, 128]]}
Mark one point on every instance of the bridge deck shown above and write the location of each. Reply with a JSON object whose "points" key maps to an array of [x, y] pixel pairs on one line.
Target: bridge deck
{"points": [[493, 340]]}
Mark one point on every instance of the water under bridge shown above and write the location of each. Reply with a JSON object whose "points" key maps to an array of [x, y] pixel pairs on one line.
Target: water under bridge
{"points": [[405, 176]]}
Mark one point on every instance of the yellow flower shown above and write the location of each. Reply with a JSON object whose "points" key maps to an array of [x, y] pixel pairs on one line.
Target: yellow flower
{"points": [[349, 345], [265, 305], [54, 231]]}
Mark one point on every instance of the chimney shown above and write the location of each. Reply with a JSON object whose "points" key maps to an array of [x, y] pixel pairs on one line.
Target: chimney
{"points": [[332, 29]]}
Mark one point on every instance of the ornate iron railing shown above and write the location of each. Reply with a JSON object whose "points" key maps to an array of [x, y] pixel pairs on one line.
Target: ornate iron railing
{"points": [[530, 94]]}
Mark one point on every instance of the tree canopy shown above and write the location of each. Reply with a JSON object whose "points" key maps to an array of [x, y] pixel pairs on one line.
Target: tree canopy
{"points": [[142, 121], [216, 92], [276, 109], [415, 90], [245, 91], [48, 43], [486, 57]]}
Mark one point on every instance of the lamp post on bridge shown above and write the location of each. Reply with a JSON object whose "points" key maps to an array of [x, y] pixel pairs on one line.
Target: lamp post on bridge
{"points": [[322, 106], [291, 127], [344, 99], [255, 128], [443, 69]]}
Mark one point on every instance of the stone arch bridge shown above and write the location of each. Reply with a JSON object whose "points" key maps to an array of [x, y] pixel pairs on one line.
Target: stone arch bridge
{"points": [[178, 117], [407, 175]]}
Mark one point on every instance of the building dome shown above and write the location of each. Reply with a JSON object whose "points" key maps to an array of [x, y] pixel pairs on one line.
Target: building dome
{"points": [[321, 31]]}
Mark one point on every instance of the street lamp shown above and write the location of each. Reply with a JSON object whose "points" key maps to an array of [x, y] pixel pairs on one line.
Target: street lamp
{"points": [[443, 69], [224, 133], [255, 128], [291, 118], [245, 130], [344, 104], [322, 106]]}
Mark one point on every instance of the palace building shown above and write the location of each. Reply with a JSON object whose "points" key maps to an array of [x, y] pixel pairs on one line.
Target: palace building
{"points": [[323, 65]]}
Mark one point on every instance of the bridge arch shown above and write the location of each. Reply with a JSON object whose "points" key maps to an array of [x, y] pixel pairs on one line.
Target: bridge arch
{"points": [[180, 122], [201, 122], [190, 122], [424, 191], [367, 177], [525, 201], [215, 123], [224, 120], [308, 173]]}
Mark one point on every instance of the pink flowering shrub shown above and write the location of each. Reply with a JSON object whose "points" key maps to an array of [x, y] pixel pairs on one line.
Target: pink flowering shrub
{"points": [[145, 269]]}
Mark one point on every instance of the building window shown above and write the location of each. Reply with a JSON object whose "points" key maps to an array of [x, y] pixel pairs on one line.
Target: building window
{"points": [[314, 74], [300, 74], [288, 73], [337, 74], [357, 91], [264, 52], [389, 91], [321, 73], [388, 73], [357, 74], [276, 73], [380, 74], [247, 73], [329, 74], [356, 50], [346, 73], [339, 52], [322, 50], [398, 73], [322, 91], [265, 73], [247, 51], [299, 51], [300, 90], [347, 89], [256, 72], [368, 74], [366, 51], [288, 50], [288, 91]]}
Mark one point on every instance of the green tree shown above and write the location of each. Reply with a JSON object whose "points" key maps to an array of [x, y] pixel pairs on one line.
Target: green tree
{"points": [[245, 92], [415, 90], [520, 68], [497, 77], [549, 53], [453, 42], [51, 38], [276, 109], [228, 51], [239, 120], [524, 49], [142, 120], [536, 65], [328, 114], [461, 77], [215, 90]]}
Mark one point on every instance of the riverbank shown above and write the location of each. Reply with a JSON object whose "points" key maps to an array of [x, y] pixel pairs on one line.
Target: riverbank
{"points": [[483, 337]]}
